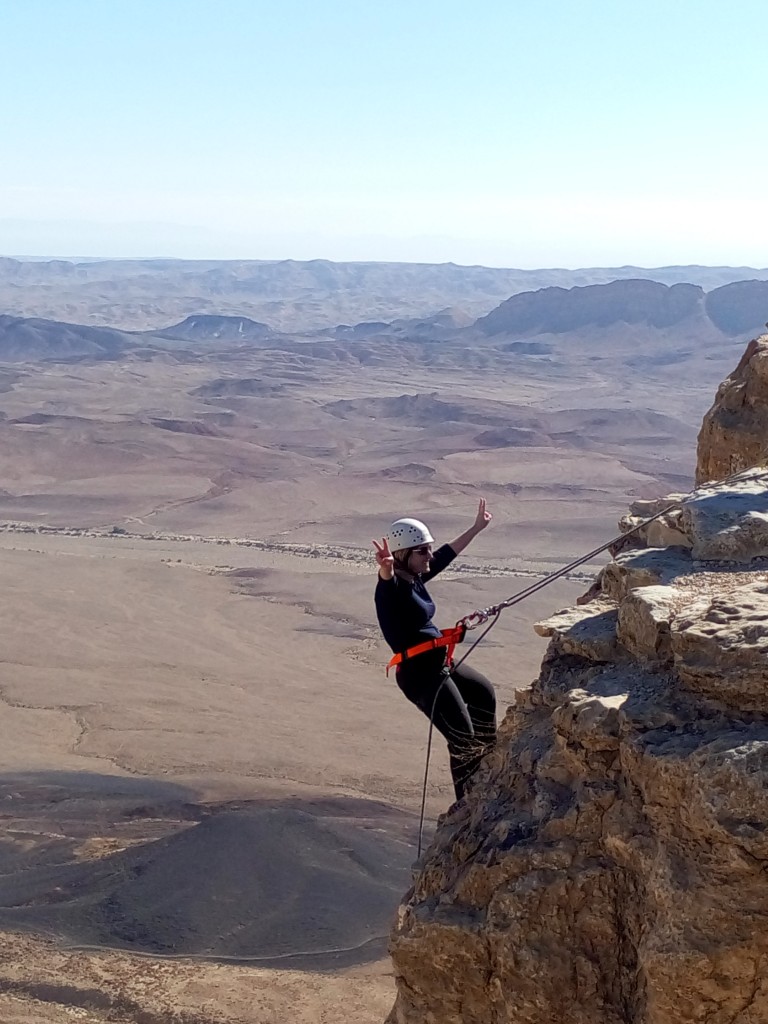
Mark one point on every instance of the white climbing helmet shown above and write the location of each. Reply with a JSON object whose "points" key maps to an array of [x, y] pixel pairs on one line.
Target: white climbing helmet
{"points": [[408, 533]]}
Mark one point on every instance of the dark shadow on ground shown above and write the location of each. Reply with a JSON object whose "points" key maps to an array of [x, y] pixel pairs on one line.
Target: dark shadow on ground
{"points": [[138, 864]]}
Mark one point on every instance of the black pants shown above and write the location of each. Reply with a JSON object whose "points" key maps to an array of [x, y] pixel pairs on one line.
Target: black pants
{"points": [[464, 706]]}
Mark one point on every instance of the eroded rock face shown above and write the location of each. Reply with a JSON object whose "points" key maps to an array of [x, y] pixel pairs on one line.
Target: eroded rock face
{"points": [[734, 434], [718, 522], [610, 863]]}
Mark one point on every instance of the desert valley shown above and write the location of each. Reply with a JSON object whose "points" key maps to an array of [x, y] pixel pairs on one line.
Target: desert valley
{"points": [[209, 789]]}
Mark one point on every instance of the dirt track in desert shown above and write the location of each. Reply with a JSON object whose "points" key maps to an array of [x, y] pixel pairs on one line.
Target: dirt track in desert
{"points": [[201, 755]]}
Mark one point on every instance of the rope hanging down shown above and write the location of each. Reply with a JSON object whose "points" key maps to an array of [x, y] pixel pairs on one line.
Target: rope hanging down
{"points": [[492, 614]]}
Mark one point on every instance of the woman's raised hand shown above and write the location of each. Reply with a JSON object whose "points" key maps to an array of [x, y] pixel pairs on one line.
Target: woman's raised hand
{"points": [[385, 559], [483, 517]]}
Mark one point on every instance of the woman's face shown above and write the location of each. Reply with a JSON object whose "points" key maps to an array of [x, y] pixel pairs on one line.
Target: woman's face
{"points": [[419, 558]]}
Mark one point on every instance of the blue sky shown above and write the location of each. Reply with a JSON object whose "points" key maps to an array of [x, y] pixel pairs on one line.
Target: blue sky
{"points": [[520, 133]]}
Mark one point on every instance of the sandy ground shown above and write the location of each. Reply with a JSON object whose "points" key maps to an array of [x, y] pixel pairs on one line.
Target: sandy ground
{"points": [[280, 662], [42, 982], [201, 758]]}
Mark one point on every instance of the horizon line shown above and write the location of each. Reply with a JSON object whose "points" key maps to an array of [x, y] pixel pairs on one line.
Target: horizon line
{"points": [[22, 258]]}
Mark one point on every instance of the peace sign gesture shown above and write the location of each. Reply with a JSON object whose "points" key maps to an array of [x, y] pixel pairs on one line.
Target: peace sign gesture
{"points": [[384, 558]]}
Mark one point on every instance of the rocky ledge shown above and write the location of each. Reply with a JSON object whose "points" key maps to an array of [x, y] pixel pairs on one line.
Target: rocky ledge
{"points": [[609, 864]]}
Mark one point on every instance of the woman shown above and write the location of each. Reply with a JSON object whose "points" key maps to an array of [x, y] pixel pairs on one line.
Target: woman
{"points": [[460, 701]]}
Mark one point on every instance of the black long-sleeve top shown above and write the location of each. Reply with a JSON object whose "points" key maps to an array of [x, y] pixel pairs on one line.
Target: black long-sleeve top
{"points": [[405, 609]]}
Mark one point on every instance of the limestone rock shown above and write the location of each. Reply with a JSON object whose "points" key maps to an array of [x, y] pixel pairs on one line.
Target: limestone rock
{"points": [[721, 521], [662, 532], [586, 632], [720, 647], [734, 434], [643, 568], [729, 521], [609, 864], [644, 623]]}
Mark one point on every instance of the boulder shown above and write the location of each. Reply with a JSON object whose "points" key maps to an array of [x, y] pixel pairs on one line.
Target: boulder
{"points": [[644, 622], [720, 647], [729, 521], [586, 632], [643, 568]]}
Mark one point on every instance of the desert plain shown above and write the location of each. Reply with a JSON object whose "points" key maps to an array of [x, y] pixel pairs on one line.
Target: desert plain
{"points": [[209, 789]]}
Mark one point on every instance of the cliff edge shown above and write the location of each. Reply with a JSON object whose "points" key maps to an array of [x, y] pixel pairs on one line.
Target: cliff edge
{"points": [[610, 863]]}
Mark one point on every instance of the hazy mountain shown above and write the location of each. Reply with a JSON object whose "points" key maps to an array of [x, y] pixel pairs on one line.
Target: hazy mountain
{"points": [[24, 339], [740, 307], [444, 324], [291, 295], [205, 327], [656, 320]]}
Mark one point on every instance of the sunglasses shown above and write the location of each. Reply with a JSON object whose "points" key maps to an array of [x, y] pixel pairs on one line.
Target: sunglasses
{"points": [[425, 549]]}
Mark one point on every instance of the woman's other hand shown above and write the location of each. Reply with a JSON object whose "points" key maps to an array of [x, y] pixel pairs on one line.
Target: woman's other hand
{"points": [[384, 558], [483, 517]]}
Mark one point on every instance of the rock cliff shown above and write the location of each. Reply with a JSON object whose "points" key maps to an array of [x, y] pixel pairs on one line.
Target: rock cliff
{"points": [[609, 864], [734, 434], [559, 310], [737, 308]]}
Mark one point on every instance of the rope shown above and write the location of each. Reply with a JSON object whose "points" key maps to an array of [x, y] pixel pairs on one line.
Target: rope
{"points": [[426, 766], [477, 618], [480, 617]]}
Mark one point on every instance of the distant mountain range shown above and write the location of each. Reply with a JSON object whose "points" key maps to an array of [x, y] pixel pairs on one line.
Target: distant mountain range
{"points": [[737, 308], [295, 296], [612, 313]]}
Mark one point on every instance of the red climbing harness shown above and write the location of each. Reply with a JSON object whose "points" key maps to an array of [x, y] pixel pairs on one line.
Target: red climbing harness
{"points": [[448, 638]]}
